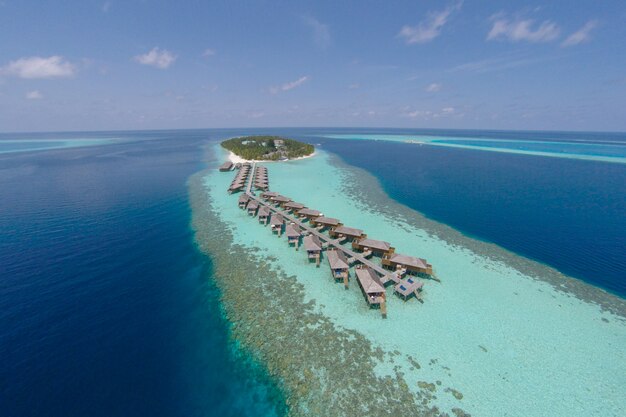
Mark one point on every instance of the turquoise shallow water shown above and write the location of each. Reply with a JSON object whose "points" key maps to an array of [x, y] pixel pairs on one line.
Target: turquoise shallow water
{"points": [[596, 151], [511, 344], [25, 145]]}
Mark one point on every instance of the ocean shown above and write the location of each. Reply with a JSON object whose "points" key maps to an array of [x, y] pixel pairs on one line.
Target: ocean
{"points": [[567, 213], [108, 306]]}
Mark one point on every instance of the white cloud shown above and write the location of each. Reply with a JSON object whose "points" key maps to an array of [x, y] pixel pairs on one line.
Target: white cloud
{"points": [[522, 30], [159, 58], [581, 35], [38, 67], [429, 114], [495, 64], [106, 6], [208, 52], [34, 95], [447, 110], [290, 85], [433, 88], [321, 33], [430, 28], [354, 86]]}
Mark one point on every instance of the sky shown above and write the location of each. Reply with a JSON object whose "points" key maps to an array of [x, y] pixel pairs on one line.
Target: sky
{"points": [[150, 64]]}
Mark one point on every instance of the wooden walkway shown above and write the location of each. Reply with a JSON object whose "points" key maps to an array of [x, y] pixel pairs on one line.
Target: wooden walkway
{"points": [[386, 276]]}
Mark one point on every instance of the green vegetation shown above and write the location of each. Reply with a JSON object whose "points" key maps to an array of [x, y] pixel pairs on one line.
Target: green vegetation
{"points": [[267, 148]]}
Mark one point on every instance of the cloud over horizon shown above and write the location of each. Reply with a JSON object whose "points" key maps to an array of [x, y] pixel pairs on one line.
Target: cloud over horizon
{"points": [[321, 32], [158, 58], [34, 95], [522, 30], [290, 85], [581, 35], [429, 28], [39, 67], [433, 88]]}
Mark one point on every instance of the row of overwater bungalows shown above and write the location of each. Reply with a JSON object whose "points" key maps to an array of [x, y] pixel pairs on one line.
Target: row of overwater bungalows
{"points": [[261, 181], [369, 280], [239, 182]]}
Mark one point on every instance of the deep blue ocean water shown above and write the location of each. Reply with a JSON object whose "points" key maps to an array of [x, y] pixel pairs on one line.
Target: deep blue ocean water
{"points": [[106, 306], [567, 213]]}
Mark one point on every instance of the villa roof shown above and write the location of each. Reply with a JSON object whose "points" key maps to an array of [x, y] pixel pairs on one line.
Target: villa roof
{"points": [[375, 244], [264, 211], [253, 205], [243, 198], [277, 220], [226, 165], [312, 243], [409, 261], [281, 198], [369, 281], [310, 212], [336, 259], [294, 205], [348, 231], [292, 230], [329, 221], [269, 194]]}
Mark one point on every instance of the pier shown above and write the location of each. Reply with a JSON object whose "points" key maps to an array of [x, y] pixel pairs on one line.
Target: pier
{"points": [[372, 278]]}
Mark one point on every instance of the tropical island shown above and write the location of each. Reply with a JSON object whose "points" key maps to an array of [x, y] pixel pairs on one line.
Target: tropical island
{"points": [[267, 148]]}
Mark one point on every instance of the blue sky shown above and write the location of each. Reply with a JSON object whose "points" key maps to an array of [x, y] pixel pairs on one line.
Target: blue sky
{"points": [[104, 65]]}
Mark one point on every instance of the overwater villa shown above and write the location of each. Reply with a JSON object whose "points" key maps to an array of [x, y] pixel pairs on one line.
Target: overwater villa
{"points": [[344, 232], [377, 247], [410, 263], [261, 185], [236, 186], [313, 247], [252, 207], [280, 199], [339, 267], [293, 233], [408, 287], [276, 223], [239, 182], [266, 195], [226, 166], [243, 201], [371, 286], [293, 206], [264, 214], [309, 213], [324, 222]]}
